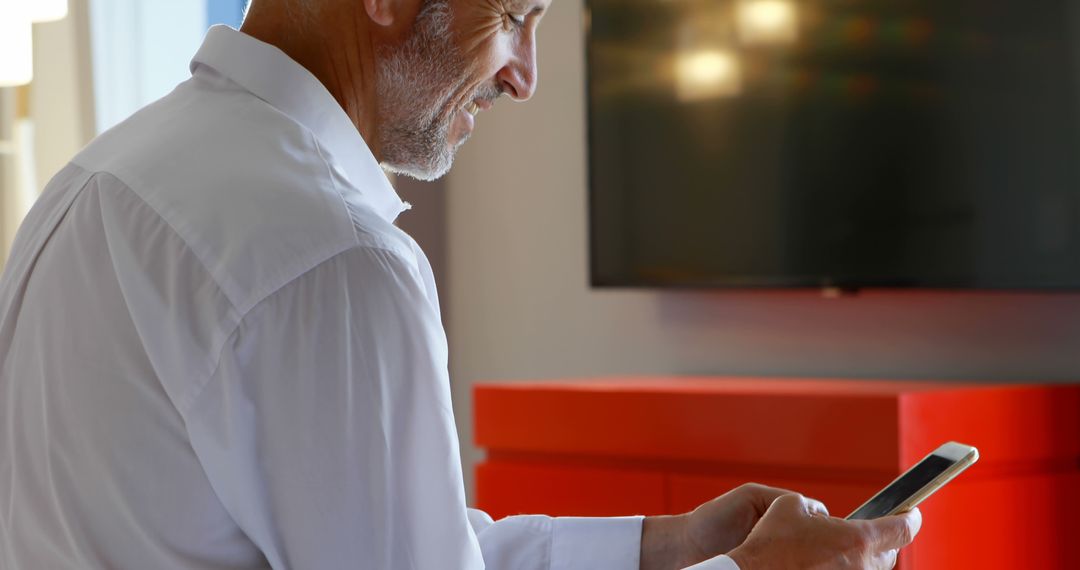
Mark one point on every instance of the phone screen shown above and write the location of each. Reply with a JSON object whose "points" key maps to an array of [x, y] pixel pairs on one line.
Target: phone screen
{"points": [[892, 496]]}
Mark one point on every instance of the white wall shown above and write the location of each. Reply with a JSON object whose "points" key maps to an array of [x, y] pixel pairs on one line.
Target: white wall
{"points": [[520, 306]]}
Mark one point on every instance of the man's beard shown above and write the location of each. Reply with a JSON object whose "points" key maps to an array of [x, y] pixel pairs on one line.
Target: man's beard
{"points": [[417, 82]]}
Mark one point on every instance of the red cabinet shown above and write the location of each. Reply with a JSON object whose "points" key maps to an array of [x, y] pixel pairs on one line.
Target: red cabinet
{"points": [[664, 445]]}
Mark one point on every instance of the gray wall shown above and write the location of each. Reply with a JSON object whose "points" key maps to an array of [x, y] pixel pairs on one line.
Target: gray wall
{"points": [[520, 307]]}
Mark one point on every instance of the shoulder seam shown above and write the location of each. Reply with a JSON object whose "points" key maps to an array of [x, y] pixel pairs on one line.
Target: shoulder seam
{"points": [[202, 262], [189, 401]]}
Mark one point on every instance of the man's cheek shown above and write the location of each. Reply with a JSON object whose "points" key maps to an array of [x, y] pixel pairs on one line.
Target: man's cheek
{"points": [[495, 53]]}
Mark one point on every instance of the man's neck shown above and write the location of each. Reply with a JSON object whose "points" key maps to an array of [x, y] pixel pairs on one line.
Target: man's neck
{"points": [[335, 44]]}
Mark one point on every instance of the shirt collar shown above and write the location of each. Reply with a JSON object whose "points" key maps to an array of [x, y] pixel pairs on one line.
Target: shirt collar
{"points": [[274, 77]]}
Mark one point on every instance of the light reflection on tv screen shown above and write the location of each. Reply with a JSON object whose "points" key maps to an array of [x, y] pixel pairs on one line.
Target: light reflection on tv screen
{"points": [[849, 143]]}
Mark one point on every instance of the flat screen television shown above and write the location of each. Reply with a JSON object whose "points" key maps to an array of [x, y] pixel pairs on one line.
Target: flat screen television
{"points": [[834, 143]]}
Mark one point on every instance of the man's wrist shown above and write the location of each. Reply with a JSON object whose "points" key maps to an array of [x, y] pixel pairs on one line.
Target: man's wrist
{"points": [[662, 543], [743, 559]]}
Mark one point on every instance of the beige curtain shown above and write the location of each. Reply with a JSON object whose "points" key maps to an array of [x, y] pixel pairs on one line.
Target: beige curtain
{"points": [[20, 188], [8, 216], [45, 123]]}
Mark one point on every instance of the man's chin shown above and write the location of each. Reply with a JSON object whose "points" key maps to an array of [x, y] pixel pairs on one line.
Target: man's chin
{"points": [[426, 173], [430, 167]]}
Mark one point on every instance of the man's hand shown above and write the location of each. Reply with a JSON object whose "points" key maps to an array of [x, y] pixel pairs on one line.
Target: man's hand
{"points": [[797, 533], [670, 543], [764, 528]]}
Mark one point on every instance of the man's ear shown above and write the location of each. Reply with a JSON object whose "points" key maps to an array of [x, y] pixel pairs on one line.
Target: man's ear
{"points": [[381, 12]]}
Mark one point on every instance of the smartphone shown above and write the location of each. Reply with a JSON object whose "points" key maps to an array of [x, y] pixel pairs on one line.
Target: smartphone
{"points": [[919, 482]]}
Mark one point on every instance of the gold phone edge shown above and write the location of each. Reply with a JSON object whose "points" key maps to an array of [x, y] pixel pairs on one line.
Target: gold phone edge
{"points": [[927, 490]]}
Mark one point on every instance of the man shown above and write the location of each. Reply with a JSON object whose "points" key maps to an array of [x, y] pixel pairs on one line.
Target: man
{"points": [[219, 353]]}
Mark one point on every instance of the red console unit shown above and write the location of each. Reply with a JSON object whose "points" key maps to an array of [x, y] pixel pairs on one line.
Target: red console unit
{"points": [[609, 447]]}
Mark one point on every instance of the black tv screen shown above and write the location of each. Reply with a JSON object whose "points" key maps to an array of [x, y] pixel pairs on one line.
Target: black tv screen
{"points": [[838, 143]]}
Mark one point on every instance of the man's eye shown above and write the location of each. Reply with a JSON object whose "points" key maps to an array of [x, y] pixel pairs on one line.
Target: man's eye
{"points": [[518, 19]]}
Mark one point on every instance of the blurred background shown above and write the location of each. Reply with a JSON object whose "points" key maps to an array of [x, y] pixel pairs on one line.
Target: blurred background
{"points": [[70, 69], [508, 229]]}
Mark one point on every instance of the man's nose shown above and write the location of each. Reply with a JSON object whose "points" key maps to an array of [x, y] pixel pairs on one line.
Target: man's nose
{"points": [[518, 78]]}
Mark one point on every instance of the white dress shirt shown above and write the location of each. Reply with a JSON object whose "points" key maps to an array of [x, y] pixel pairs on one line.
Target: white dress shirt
{"points": [[218, 352]]}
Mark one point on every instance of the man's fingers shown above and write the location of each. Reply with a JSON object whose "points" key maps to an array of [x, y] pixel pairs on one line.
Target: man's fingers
{"points": [[765, 495], [762, 496], [888, 559], [789, 503], [895, 532], [816, 507]]}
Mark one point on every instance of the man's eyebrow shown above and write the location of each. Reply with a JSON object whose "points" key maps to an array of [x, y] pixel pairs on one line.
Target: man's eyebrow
{"points": [[535, 7]]}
